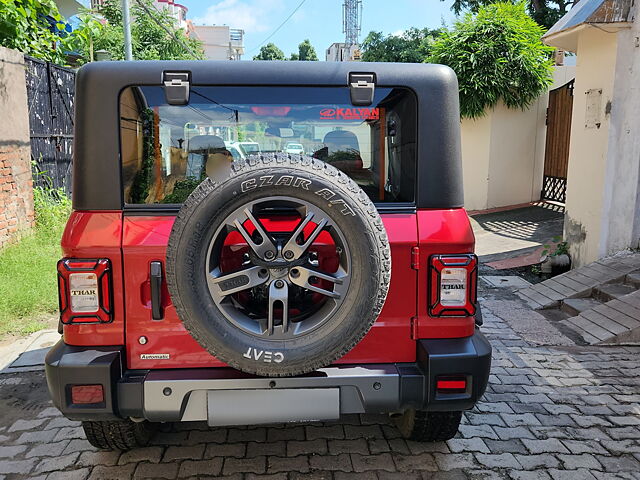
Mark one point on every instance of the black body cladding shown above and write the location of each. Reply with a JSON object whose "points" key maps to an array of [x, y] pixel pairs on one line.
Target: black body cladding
{"points": [[97, 183]]}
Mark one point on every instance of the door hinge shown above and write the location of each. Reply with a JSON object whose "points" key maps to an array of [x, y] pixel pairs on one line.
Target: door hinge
{"points": [[176, 87], [415, 258], [414, 328]]}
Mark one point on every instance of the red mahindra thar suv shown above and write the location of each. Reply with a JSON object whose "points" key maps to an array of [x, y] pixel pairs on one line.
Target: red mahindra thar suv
{"points": [[209, 274]]}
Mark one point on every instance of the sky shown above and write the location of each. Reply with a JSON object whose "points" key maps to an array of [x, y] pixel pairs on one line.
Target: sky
{"points": [[318, 20]]}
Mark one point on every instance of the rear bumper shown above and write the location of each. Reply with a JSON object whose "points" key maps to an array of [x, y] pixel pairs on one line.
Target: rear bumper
{"points": [[188, 394]]}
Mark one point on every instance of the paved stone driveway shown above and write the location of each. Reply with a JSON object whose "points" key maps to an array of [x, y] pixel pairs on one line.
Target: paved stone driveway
{"points": [[550, 412]]}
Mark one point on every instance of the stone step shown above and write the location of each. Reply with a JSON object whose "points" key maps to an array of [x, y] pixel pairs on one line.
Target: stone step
{"points": [[633, 279], [574, 306], [611, 291]]}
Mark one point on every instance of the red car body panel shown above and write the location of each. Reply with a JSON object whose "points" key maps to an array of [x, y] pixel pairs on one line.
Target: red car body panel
{"points": [[145, 239], [132, 242], [97, 235], [441, 232]]}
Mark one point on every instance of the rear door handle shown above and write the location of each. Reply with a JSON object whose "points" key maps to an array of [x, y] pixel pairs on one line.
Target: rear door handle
{"points": [[155, 275]]}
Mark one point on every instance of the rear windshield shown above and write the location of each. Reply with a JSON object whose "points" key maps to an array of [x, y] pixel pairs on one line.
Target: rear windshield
{"points": [[168, 150]]}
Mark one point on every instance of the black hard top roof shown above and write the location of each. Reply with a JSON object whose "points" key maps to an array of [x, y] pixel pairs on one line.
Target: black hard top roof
{"points": [[97, 178]]}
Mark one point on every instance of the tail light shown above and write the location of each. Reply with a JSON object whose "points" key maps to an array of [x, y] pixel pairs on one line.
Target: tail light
{"points": [[453, 285], [85, 293]]}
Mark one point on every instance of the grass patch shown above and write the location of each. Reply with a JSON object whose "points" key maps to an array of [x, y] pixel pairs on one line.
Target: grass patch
{"points": [[28, 290]]}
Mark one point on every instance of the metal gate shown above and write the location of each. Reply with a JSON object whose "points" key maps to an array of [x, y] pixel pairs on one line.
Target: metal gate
{"points": [[556, 155], [50, 96]]}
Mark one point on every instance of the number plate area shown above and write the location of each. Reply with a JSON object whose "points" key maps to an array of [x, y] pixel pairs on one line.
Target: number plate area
{"points": [[251, 407]]}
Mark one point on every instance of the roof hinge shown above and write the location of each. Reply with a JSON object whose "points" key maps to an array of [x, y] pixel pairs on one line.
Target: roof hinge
{"points": [[176, 87], [415, 258], [362, 86]]}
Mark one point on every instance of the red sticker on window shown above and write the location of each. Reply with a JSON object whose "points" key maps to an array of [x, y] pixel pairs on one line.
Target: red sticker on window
{"points": [[349, 114]]}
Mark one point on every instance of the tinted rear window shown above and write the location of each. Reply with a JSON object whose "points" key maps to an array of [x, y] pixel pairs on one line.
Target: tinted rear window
{"points": [[168, 150]]}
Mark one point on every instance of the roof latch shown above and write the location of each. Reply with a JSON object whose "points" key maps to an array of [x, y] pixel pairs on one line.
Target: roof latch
{"points": [[176, 87], [362, 87]]}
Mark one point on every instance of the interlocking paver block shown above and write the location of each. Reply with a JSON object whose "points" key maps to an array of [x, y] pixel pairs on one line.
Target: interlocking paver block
{"points": [[78, 474], [537, 461], [190, 452], [194, 468], [458, 445], [550, 445], [244, 465], [11, 451], [16, 466], [580, 474], [331, 431], [51, 464], [307, 447], [156, 470], [340, 462], [21, 425], [112, 473], [357, 445], [288, 464], [381, 461], [529, 475], [423, 461], [455, 461], [148, 454]]}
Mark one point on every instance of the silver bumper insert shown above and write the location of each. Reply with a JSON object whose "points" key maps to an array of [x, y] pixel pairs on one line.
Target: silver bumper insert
{"points": [[253, 407], [214, 395]]}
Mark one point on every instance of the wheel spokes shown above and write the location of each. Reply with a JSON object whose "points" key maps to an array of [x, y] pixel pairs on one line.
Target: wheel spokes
{"points": [[301, 276], [292, 244], [278, 293], [227, 284], [259, 249]]}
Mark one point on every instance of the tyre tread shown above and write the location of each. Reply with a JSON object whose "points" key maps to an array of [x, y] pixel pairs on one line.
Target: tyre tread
{"points": [[118, 434]]}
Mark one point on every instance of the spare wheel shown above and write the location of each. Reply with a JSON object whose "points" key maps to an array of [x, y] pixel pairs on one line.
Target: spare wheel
{"points": [[280, 266]]}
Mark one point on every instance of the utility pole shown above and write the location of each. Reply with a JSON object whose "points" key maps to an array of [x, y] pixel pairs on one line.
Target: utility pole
{"points": [[126, 24]]}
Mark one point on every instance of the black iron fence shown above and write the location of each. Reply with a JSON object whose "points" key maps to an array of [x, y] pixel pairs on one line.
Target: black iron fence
{"points": [[50, 96]]}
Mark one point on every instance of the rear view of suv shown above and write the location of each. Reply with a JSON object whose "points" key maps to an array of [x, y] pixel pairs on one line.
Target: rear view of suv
{"points": [[275, 287]]}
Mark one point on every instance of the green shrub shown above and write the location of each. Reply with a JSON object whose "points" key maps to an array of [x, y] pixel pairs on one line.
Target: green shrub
{"points": [[497, 55], [28, 289]]}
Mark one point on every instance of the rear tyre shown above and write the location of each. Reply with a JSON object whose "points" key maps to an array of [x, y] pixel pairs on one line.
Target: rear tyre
{"points": [[119, 434], [424, 426]]}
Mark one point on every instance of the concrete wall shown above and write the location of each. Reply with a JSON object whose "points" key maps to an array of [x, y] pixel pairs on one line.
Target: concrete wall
{"points": [[16, 186], [620, 222], [503, 152], [595, 71]]}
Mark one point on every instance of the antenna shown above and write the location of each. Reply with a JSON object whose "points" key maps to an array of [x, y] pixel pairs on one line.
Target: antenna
{"points": [[351, 21]]}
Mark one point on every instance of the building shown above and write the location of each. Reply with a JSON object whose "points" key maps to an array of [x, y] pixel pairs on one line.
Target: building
{"points": [[603, 179], [176, 10], [341, 52], [220, 42]]}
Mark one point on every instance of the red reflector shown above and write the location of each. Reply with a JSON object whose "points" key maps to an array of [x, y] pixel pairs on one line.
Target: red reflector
{"points": [[86, 394], [451, 384]]}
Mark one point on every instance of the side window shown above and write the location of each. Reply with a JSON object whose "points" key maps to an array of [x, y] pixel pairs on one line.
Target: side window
{"points": [[168, 150]]}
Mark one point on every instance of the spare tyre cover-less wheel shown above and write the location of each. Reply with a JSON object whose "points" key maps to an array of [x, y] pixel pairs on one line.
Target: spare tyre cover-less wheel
{"points": [[280, 266]]}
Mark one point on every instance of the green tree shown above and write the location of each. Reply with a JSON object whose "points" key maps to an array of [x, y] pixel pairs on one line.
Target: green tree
{"points": [[270, 52], [306, 51], [497, 55], [412, 46], [155, 34], [34, 27], [545, 12]]}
